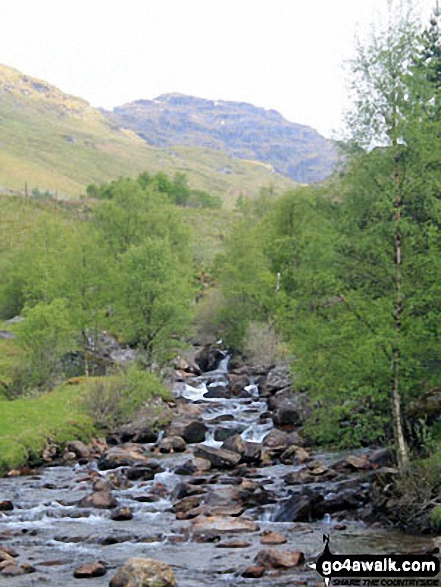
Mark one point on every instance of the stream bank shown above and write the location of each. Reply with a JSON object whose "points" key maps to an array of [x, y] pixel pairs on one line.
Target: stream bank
{"points": [[226, 494]]}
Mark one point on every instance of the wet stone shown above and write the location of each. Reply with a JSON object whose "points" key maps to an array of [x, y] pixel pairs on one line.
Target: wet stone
{"points": [[122, 514], [234, 544], [254, 572], [276, 559], [6, 506], [90, 570], [269, 537], [144, 573]]}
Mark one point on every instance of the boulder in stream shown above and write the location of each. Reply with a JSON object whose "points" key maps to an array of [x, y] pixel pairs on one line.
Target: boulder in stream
{"points": [[144, 572], [90, 570], [122, 456], [277, 559], [220, 458]]}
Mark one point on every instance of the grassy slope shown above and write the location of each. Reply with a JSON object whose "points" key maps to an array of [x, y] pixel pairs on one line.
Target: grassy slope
{"points": [[26, 425], [54, 141]]}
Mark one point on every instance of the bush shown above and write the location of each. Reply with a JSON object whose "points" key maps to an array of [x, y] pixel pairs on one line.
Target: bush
{"points": [[45, 336], [115, 400], [261, 344]]}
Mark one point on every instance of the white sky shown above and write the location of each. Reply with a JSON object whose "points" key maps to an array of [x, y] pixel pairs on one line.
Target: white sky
{"points": [[281, 54]]}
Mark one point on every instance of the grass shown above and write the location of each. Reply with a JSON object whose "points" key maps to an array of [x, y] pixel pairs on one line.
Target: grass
{"points": [[26, 425], [58, 142]]}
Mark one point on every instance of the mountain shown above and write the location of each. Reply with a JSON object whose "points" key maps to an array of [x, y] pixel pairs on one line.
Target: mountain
{"points": [[240, 129], [57, 142]]}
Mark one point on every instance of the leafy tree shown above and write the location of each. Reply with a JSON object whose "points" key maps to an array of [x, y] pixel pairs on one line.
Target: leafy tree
{"points": [[248, 286], [135, 214], [46, 334], [154, 298]]}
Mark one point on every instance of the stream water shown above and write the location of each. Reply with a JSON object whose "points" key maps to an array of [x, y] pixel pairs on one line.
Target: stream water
{"points": [[52, 533]]}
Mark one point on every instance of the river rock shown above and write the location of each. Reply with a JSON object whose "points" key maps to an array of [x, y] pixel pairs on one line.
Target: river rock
{"points": [[220, 458], [218, 391], [352, 463], [122, 456], [172, 444], [6, 506], [6, 557], [90, 570], [280, 440], [122, 514], [238, 383], [294, 455], [12, 570], [254, 572], [98, 499], [144, 472], [208, 358], [301, 477], [8, 550], [269, 537], [80, 450], [296, 508], [276, 559], [234, 544], [279, 377], [222, 524], [222, 433], [250, 452], [194, 432], [289, 409], [144, 572]]}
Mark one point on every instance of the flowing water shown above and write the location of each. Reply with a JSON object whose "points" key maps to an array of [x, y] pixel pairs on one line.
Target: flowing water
{"points": [[49, 531]]}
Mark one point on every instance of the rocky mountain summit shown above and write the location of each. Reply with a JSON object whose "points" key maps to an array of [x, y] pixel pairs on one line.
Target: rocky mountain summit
{"points": [[242, 130]]}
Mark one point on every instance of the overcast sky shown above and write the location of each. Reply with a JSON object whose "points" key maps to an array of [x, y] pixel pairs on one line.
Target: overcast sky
{"points": [[281, 54]]}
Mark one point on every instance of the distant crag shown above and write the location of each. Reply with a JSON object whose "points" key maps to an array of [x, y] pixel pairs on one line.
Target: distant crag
{"points": [[240, 129]]}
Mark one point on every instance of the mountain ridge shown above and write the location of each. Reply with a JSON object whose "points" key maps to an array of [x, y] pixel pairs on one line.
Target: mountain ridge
{"points": [[58, 142], [241, 129]]}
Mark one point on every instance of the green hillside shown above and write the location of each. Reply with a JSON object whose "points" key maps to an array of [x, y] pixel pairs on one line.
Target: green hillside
{"points": [[58, 142]]}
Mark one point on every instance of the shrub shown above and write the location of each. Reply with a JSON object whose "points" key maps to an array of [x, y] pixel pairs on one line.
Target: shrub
{"points": [[115, 400], [261, 344]]}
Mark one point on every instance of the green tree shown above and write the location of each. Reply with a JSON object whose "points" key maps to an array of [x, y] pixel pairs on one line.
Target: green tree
{"points": [[46, 334], [154, 298]]}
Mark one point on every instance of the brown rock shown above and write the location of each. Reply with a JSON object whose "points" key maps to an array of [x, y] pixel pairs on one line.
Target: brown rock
{"points": [[90, 570], [119, 456], [28, 569], [172, 444], [254, 572], [8, 550], [144, 572], [234, 544], [218, 457], [6, 506], [80, 450], [6, 557], [276, 559], [269, 537], [12, 570], [122, 514], [224, 524], [99, 500]]}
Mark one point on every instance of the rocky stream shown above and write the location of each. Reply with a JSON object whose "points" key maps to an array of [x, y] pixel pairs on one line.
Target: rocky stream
{"points": [[226, 495]]}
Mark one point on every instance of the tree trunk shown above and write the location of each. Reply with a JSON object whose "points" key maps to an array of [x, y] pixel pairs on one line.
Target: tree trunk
{"points": [[400, 442]]}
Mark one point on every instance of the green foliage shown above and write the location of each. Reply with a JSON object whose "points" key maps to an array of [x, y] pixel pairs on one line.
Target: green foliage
{"points": [[153, 298], [26, 425], [248, 286], [175, 191], [46, 334], [113, 401]]}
